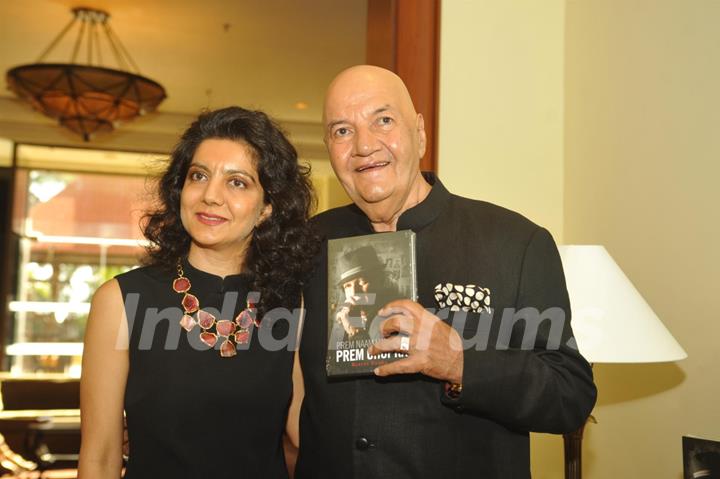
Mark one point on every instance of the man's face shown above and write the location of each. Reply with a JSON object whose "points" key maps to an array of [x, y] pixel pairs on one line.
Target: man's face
{"points": [[375, 142], [356, 290]]}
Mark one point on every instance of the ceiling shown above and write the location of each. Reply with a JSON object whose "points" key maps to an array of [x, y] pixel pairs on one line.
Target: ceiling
{"points": [[266, 54]]}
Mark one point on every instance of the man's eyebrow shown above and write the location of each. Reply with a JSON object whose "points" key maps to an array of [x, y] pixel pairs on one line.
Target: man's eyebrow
{"points": [[335, 123], [381, 109]]}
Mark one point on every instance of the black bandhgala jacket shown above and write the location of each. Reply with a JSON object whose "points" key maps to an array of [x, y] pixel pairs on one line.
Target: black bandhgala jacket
{"points": [[514, 381]]}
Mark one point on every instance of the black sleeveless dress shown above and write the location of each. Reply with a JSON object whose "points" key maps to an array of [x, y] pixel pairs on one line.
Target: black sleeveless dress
{"points": [[190, 412]]}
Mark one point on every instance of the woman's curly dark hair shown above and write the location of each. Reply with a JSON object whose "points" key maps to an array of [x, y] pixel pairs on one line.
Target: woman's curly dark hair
{"points": [[282, 246]]}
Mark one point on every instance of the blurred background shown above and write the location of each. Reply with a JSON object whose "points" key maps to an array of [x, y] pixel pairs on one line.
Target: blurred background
{"points": [[596, 118]]}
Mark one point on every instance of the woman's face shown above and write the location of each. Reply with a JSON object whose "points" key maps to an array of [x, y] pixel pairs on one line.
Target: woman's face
{"points": [[222, 200]]}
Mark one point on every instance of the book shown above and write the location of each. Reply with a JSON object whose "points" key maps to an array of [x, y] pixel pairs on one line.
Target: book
{"points": [[364, 274], [701, 458]]}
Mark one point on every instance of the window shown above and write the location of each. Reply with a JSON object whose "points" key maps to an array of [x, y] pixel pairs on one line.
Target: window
{"points": [[76, 230]]}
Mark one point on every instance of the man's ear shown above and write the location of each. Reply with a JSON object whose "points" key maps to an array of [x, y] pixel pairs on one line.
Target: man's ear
{"points": [[264, 214], [422, 138]]}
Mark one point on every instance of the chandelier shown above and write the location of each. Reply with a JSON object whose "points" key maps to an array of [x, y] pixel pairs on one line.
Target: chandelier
{"points": [[87, 98]]}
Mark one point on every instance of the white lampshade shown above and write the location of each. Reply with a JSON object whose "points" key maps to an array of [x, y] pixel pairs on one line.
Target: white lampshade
{"points": [[611, 320]]}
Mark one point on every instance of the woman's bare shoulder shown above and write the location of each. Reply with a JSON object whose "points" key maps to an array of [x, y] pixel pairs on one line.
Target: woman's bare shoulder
{"points": [[107, 308], [108, 294]]}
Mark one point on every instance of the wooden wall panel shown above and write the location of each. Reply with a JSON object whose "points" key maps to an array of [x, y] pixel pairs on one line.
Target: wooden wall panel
{"points": [[404, 36]]}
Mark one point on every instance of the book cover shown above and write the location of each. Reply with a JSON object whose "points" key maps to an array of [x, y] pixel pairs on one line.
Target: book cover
{"points": [[364, 274], [701, 458]]}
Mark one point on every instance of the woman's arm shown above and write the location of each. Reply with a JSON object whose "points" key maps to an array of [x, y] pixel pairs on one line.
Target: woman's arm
{"points": [[291, 440], [102, 386]]}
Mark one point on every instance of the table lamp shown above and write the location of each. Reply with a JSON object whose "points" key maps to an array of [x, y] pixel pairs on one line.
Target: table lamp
{"points": [[612, 323]]}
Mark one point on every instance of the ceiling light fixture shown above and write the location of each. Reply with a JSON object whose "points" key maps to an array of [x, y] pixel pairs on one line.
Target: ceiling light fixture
{"points": [[87, 98]]}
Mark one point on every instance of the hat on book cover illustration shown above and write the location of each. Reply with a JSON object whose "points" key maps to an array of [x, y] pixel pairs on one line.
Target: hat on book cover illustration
{"points": [[463, 297], [363, 287], [360, 262]]}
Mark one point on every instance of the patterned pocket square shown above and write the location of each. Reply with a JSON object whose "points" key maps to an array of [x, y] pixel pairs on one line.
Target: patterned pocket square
{"points": [[457, 297]]}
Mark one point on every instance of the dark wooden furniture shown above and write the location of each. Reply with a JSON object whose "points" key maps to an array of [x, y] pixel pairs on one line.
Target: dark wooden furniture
{"points": [[39, 425]]}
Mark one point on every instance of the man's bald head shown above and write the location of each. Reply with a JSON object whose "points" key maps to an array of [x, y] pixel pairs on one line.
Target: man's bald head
{"points": [[375, 140], [360, 80]]}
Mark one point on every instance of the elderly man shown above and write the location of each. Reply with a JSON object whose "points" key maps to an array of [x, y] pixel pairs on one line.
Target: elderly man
{"points": [[482, 370]]}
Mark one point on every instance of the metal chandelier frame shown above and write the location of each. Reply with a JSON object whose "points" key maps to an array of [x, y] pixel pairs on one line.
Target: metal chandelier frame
{"points": [[87, 98]]}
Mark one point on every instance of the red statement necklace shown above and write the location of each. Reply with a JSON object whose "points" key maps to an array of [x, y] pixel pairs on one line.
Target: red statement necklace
{"points": [[237, 330]]}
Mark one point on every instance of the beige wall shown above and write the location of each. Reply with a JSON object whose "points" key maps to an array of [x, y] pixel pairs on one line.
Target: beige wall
{"points": [[633, 166], [501, 104], [642, 150], [501, 121], [328, 190]]}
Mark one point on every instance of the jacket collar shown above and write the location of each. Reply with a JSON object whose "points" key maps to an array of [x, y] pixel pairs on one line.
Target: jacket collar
{"points": [[420, 215]]}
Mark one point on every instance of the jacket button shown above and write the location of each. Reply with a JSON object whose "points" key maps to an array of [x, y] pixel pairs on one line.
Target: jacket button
{"points": [[362, 443]]}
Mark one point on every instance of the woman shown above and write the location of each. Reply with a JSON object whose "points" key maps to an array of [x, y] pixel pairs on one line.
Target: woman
{"points": [[179, 344]]}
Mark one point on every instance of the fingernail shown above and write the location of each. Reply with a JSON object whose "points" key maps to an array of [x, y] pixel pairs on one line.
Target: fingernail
{"points": [[376, 371]]}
